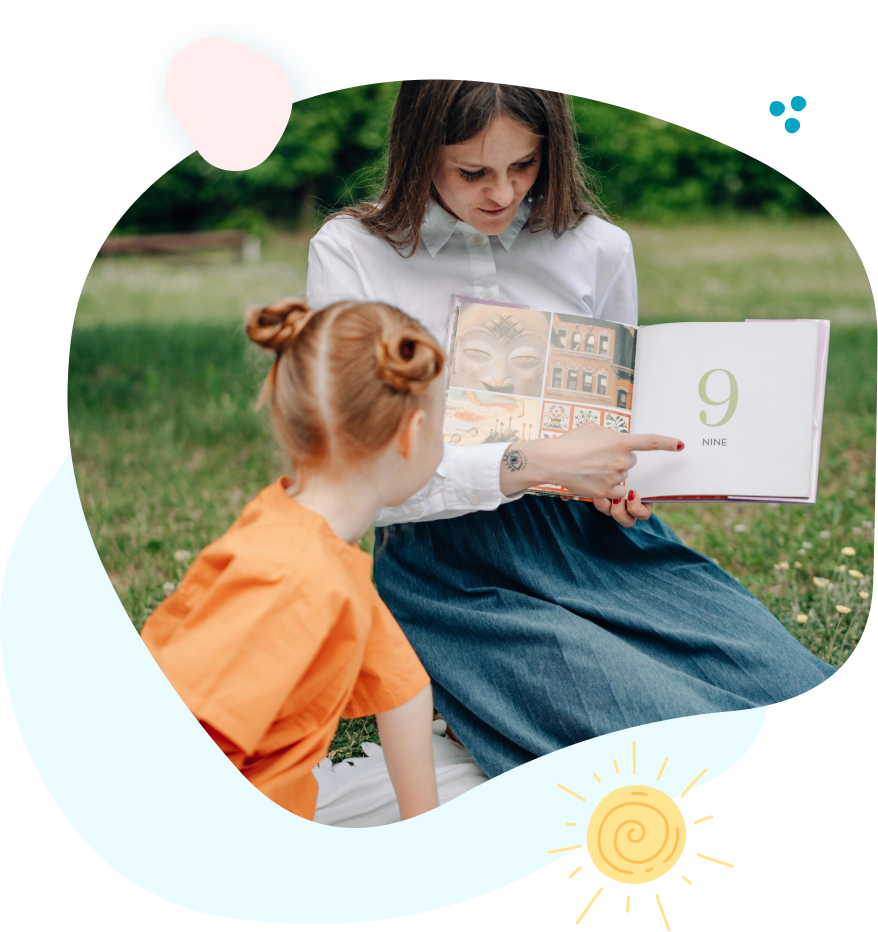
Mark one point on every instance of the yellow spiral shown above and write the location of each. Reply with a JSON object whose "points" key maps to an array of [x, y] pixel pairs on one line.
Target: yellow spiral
{"points": [[636, 834]]}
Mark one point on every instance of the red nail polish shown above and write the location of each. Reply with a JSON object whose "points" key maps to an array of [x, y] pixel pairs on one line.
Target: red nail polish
{"points": [[616, 501], [631, 496], [680, 445]]}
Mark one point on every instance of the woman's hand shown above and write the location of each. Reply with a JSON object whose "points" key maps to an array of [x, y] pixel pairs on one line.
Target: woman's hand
{"points": [[590, 461], [627, 510]]}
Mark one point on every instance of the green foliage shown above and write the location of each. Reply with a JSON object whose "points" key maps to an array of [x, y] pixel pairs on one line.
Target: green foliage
{"points": [[653, 170], [332, 153]]}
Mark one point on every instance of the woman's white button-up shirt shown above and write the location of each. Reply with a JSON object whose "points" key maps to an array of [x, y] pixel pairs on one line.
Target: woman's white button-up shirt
{"points": [[588, 271]]}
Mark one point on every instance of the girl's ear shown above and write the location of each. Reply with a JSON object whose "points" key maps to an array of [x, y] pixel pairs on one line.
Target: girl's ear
{"points": [[409, 434]]}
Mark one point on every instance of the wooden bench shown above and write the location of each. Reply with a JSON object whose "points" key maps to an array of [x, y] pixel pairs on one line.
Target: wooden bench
{"points": [[242, 244]]}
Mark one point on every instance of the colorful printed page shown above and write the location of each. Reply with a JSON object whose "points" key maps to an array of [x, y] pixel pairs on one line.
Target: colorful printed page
{"points": [[520, 374], [742, 398]]}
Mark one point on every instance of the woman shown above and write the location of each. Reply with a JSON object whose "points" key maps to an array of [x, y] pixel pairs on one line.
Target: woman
{"points": [[541, 622]]}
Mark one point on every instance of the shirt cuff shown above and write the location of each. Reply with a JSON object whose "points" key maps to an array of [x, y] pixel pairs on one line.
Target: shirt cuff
{"points": [[467, 480], [474, 477]]}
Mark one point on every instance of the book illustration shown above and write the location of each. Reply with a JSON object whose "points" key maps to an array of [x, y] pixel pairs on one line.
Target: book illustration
{"points": [[500, 349], [591, 361], [617, 422], [555, 416], [486, 417], [582, 416]]}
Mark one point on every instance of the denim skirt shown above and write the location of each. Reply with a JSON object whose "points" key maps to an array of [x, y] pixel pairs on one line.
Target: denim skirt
{"points": [[545, 623]]}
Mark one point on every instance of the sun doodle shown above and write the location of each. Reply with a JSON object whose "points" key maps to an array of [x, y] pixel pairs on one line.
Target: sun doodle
{"points": [[635, 835]]}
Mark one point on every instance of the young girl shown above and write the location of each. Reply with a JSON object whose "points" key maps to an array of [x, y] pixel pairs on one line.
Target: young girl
{"points": [[276, 630], [542, 622]]}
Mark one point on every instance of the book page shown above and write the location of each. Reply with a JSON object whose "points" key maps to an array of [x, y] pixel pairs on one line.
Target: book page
{"points": [[522, 374], [739, 395]]}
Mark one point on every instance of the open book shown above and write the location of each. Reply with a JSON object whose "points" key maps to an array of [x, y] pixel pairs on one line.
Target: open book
{"points": [[746, 398]]}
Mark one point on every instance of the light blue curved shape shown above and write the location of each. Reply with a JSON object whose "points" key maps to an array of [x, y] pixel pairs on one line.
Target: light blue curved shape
{"points": [[145, 786]]}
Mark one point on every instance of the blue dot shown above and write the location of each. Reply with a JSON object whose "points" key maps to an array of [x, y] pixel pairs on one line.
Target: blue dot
{"points": [[798, 103], [776, 108], [792, 125]]}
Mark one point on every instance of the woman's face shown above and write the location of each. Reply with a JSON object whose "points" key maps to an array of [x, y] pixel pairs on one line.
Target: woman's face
{"points": [[500, 351], [483, 180]]}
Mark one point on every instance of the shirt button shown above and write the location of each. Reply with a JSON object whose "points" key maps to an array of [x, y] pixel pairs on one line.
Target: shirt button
{"points": [[416, 510], [487, 294], [474, 498], [477, 240]]}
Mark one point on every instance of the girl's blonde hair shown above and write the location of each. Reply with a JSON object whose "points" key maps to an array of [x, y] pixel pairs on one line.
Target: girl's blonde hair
{"points": [[343, 378]]}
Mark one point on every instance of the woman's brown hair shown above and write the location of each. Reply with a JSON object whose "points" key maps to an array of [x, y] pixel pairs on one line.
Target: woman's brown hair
{"points": [[343, 378], [430, 114]]}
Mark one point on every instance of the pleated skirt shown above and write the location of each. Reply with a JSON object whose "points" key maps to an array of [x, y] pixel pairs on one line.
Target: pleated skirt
{"points": [[545, 623]]}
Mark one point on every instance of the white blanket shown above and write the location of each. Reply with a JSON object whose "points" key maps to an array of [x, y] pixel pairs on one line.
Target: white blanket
{"points": [[357, 792]]}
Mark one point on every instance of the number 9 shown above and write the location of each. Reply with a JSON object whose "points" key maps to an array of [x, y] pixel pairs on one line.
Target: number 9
{"points": [[732, 399]]}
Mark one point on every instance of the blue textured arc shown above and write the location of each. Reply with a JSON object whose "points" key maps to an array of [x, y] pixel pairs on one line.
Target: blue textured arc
{"points": [[299, 61]]}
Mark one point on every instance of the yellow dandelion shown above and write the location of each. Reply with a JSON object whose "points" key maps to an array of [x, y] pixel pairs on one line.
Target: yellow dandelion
{"points": [[841, 568], [820, 582], [797, 565], [855, 573], [842, 609], [863, 594], [783, 565], [801, 619], [848, 551]]}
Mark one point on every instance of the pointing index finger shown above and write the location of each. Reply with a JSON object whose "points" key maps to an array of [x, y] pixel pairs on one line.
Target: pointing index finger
{"points": [[654, 442]]}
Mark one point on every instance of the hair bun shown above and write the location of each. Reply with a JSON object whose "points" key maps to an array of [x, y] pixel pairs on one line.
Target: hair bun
{"points": [[406, 362], [277, 325]]}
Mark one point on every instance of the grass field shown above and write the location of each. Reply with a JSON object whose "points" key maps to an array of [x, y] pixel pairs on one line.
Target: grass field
{"points": [[167, 447]]}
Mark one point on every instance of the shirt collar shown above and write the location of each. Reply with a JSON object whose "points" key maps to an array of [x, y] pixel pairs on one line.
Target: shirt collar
{"points": [[438, 226]]}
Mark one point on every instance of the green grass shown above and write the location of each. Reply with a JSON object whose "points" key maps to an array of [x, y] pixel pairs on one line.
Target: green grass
{"points": [[167, 447], [190, 288], [750, 268]]}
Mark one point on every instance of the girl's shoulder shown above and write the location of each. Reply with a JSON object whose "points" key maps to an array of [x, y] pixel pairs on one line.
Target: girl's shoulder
{"points": [[277, 539]]}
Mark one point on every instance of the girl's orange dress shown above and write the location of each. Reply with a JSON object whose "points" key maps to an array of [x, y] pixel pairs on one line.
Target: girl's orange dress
{"points": [[275, 633]]}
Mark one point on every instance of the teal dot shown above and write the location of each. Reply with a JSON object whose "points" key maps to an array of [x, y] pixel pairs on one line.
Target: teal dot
{"points": [[776, 108], [792, 125], [798, 103]]}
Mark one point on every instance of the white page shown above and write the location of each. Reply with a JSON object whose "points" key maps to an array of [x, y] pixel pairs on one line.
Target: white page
{"points": [[765, 447]]}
